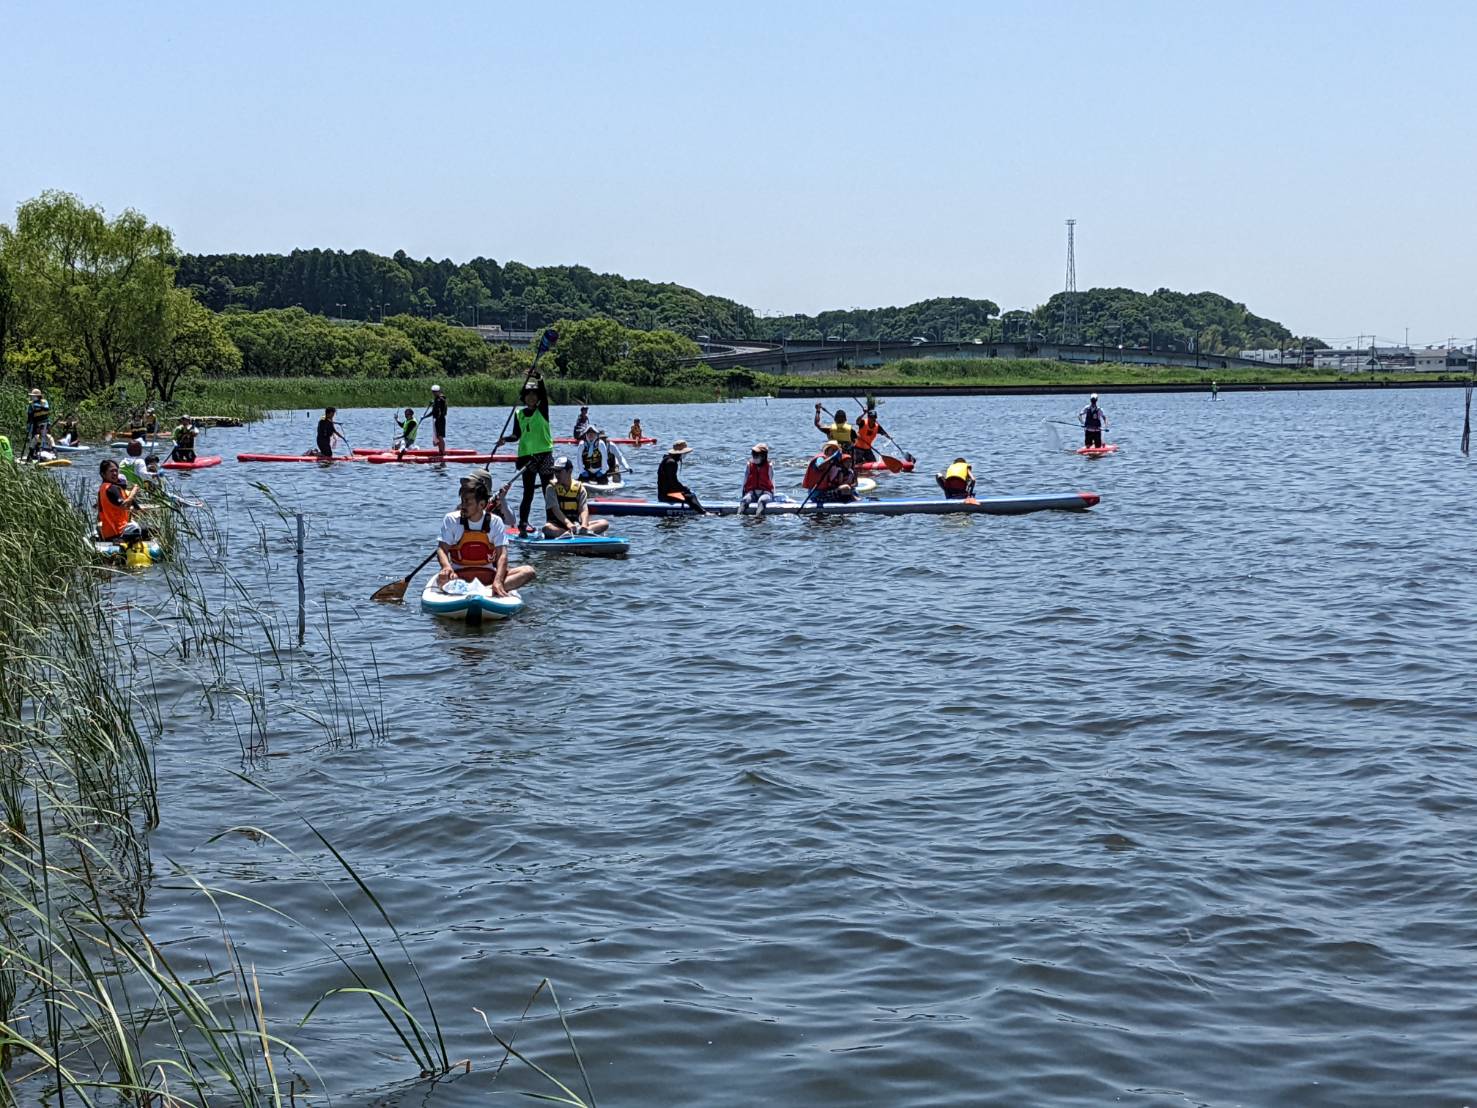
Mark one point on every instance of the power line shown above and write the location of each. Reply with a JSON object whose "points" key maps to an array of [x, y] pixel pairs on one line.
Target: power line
{"points": [[1069, 297]]}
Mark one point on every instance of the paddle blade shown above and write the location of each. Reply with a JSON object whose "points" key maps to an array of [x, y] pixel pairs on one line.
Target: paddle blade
{"points": [[393, 592], [894, 465], [547, 339], [1467, 423]]}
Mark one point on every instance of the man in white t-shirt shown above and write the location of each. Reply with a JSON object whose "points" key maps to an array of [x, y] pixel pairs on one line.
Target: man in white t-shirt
{"points": [[474, 541]]}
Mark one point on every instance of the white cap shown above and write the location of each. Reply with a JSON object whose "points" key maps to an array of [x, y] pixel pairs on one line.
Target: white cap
{"points": [[435, 388], [1093, 396]]}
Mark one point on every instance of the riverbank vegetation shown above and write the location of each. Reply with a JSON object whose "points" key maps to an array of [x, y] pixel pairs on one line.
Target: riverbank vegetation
{"points": [[101, 1001]]}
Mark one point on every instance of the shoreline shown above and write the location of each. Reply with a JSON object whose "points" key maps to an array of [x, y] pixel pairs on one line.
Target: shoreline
{"points": [[797, 392]]}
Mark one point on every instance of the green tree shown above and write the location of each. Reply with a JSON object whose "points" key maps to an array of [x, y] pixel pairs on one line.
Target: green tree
{"points": [[194, 344], [88, 286]]}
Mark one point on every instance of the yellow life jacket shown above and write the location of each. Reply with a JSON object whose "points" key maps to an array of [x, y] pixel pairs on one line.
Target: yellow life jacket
{"points": [[592, 457], [842, 433], [959, 471], [569, 499]]}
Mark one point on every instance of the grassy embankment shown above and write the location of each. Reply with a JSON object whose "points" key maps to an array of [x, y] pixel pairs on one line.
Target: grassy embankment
{"points": [[97, 1007], [1040, 373], [476, 391]]}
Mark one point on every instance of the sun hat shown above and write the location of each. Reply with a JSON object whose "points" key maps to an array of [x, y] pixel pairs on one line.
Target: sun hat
{"points": [[680, 447], [591, 430], [831, 447], [435, 388], [35, 392], [1093, 396], [760, 448]]}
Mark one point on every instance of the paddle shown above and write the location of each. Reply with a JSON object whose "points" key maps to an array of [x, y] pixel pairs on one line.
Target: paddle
{"points": [[395, 590], [546, 340], [1467, 419]]}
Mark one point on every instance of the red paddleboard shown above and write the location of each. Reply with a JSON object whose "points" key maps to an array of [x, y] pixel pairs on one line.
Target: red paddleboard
{"points": [[294, 458], [1098, 451], [438, 459], [202, 462], [366, 451]]}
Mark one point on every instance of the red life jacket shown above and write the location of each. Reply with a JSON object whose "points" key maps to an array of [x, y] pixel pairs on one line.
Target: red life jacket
{"points": [[758, 478]]}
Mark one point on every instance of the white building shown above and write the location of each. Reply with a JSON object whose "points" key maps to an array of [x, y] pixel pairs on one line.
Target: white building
{"points": [[1438, 359]]}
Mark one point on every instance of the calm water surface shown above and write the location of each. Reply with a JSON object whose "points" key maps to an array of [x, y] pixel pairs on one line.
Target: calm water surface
{"points": [[1165, 803]]}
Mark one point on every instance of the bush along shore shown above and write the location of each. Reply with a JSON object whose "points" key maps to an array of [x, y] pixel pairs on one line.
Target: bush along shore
{"points": [[100, 1003]]}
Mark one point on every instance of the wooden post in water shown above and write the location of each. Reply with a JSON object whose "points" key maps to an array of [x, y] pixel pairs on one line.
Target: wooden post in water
{"points": [[302, 616]]}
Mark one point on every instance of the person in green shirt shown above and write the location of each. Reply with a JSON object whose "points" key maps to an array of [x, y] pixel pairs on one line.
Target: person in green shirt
{"points": [[535, 439], [409, 426]]}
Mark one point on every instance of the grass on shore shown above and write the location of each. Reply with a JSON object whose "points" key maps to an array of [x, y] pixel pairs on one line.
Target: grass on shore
{"points": [[477, 391], [1027, 372]]}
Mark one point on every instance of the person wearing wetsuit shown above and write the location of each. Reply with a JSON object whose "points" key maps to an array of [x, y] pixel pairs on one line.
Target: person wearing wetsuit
{"points": [[669, 486], [1094, 420], [327, 432], [535, 439], [437, 412]]}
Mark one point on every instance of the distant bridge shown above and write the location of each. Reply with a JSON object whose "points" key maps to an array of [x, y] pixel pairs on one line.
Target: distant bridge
{"points": [[814, 358]]}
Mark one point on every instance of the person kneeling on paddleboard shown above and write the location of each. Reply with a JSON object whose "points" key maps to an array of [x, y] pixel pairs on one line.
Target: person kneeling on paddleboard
{"points": [[535, 439], [829, 476], [408, 426], [567, 505], [669, 486], [597, 462], [758, 490], [474, 542], [1094, 421], [114, 523], [839, 431], [184, 441], [957, 481], [867, 430]]}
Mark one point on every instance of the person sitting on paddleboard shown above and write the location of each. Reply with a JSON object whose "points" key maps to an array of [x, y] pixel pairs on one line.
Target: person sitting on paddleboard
{"points": [[327, 432], [581, 422], [409, 427], [839, 431], [474, 542], [957, 481], [597, 461], [830, 476], [1094, 421], [132, 469], [114, 523], [67, 432], [758, 492], [867, 430], [567, 505], [669, 486], [636, 434], [184, 441], [437, 412], [153, 474], [535, 439]]}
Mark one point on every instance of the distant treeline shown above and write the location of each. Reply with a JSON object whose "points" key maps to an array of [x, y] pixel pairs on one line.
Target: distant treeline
{"points": [[364, 286]]}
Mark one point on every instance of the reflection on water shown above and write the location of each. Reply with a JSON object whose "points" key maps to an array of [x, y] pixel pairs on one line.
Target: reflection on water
{"points": [[1163, 803]]}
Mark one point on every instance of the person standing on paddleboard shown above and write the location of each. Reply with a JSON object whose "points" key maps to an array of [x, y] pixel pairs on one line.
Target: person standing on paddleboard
{"points": [[474, 541], [1094, 422], [328, 430], [38, 418], [581, 422], [535, 439], [867, 430], [437, 412]]}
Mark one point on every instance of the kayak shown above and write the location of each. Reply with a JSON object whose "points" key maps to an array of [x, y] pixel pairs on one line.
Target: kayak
{"points": [[436, 459], [295, 458], [468, 600], [590, 546], [203, 461], [604, 486], [1098, 451], [877, 467], [368, 451], [134, 554], [985, 505], [613, 442]]}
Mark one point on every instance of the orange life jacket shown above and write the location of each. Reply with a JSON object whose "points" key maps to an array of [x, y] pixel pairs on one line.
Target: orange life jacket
{"points": [[473, 555], [111, 518], [866, 431]]}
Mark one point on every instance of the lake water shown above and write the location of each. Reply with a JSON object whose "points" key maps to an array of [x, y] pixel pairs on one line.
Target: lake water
{"points": [[1166, 803]]}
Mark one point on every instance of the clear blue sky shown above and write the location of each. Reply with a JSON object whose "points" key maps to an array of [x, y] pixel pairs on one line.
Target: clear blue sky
{"points": [[1313, 160]]}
